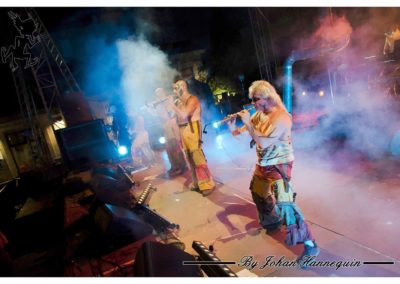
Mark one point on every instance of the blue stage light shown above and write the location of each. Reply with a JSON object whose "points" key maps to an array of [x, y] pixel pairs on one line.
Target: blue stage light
{"points": [[122, 150], [215, 125], [162, 140]]}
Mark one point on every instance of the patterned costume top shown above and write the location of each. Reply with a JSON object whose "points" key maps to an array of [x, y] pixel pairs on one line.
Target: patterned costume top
{"points": [[281, 151]]}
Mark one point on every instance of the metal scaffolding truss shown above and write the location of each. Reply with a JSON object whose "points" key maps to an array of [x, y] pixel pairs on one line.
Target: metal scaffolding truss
{"points": [[35, 139], [263, 44], [50, 86], [70, 84], [45, 82]]}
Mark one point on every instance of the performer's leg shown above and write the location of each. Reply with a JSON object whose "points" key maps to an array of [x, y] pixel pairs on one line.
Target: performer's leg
{"points": [[265, 202], [186, 137], [291, 215], [201, 175], [148, 154], [192, 168], [297, 230], [196, 158], [169, 150], [136, 156], [175, 156], [311, 249], [180, 157], [201, 170]]}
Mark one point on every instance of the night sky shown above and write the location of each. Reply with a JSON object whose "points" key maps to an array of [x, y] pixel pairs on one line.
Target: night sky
{"points": [[173, 30], [224, 32]]}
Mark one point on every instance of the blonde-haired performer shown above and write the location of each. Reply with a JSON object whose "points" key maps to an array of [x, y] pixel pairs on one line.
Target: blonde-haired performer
{"points": [[271, 188], [188, 113]]}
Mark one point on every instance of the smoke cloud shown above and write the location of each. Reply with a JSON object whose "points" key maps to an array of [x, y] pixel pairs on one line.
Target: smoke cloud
{"points": [[357, 111], [330, 30], [109, 58], [102, 73], [144, 68]]}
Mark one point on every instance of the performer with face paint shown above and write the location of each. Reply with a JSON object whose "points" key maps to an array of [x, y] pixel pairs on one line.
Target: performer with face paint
{"points": [[271, 187], [188, 111]]}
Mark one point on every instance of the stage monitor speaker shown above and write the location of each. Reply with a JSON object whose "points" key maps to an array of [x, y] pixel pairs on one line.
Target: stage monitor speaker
{"points": [[120, 173], [84, 144], [106, 171], [160, 260], [114, 227], [120, 225], [113, 191]]}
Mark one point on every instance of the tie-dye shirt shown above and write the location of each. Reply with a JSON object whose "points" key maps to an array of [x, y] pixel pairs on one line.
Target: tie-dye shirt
{"points": [[281, 151]]}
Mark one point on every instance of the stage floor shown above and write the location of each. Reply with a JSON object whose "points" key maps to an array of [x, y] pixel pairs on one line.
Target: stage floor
{"points": [[349, 201]]}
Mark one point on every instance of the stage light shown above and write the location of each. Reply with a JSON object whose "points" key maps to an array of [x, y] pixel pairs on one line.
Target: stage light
{"points": [[215, 124], [122, 150], [303, 93], [321, 93], [162, 140]]}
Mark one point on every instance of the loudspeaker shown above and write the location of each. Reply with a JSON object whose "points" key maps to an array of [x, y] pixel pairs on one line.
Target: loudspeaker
{"points": [[119, 225], [84, 144], [125, 175], [120, 174], [111, 190], [109, 217], [107, 171], [160, 260], [110, 228]]}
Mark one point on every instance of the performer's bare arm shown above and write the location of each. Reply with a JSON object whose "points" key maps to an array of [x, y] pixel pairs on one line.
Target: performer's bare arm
{"points": [[245, 116], [263, 140]]}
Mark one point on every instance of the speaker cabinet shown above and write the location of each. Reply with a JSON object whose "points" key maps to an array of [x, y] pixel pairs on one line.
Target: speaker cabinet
{"points": [[160, 260], [121, 226], [85, 144], [113, 191]]}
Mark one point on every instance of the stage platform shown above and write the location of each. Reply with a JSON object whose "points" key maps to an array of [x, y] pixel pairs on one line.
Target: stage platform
{"points": [[350, 203]]}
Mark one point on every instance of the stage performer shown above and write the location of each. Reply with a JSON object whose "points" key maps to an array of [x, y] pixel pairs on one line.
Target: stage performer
{"points": [[188, 111], [141, 152], [271, 186], [173, 144]]}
